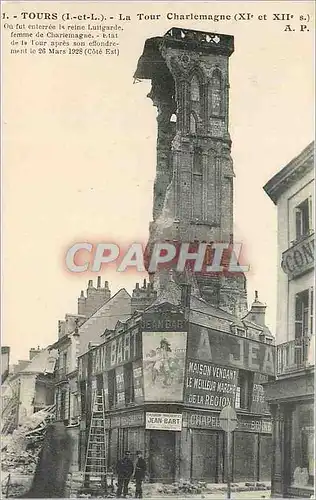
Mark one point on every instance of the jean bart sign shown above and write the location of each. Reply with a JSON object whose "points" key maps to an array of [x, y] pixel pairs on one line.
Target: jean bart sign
{"points": [[229, 350]]}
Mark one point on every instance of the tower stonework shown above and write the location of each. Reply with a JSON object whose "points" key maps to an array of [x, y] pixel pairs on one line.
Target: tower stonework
{"points": [[193, 190]]}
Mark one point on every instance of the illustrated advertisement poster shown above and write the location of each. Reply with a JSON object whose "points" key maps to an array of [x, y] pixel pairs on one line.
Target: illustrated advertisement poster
{"points": [[163, 365]]}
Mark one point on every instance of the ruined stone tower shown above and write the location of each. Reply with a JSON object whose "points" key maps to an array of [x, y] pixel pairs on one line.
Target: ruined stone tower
{"points": [[193, 191]]}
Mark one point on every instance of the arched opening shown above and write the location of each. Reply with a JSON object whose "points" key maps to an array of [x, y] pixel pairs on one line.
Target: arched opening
{"points": [[216, 92]]}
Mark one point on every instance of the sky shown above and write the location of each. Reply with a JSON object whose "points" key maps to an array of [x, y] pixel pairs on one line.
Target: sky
{"points": [[79, 153]]}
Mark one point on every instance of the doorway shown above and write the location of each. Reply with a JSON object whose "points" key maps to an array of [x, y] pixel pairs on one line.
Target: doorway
{"points": [[162, 456]]}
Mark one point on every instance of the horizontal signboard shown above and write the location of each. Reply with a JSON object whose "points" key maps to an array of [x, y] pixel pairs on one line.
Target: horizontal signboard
{"points": [[209, 386], [130, 419], [228, 350], [164, 421], [211, 421], [163, 322]]}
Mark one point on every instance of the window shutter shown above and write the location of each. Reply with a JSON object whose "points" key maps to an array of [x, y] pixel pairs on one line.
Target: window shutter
{"points": [[298, 222], [310, 213], [311, 311], [298, 317]]}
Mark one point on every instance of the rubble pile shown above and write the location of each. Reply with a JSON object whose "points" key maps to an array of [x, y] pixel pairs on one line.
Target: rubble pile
{"points": [[20, 451]]}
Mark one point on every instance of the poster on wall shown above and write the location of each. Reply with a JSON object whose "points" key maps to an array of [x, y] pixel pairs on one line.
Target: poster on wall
{"points": [[120, 387], [163, 365], [210, 386], [258, 402], [106, 390], [138, 381]]}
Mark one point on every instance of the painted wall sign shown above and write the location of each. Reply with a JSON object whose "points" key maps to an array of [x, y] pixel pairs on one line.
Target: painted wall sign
{"points": [[230, 350], [163, 321], [124, 348], [299, 258], [163, 365], [245, 422], [164, 421], [209, 386]]}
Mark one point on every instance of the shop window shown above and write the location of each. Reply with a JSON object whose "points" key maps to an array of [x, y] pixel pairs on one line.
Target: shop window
{"points": [[304, 313], [244, 389], [129, 383], [303, 223], [112, 388], [302, 447]]}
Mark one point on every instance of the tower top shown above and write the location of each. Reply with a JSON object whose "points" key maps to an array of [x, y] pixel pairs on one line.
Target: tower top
{"points": [[180, 38]]}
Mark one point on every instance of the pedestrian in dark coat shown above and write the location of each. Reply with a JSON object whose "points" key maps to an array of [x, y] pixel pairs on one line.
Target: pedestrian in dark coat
{"points": [[124, 469], [139, 474]]}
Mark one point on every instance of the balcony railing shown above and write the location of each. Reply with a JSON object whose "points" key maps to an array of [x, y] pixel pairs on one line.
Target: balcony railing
{"points": [[295, 355]]}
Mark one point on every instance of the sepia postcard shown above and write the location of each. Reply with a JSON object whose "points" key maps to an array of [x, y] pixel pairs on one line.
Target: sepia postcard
{"points": [[158, 225]]}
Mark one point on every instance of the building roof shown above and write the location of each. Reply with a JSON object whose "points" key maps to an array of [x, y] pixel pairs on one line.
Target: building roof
{"points": [[288, 175], [43, 362]]}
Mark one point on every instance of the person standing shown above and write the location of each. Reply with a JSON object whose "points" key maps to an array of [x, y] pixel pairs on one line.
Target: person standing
{"points": [[124, 471], [139, 474]]}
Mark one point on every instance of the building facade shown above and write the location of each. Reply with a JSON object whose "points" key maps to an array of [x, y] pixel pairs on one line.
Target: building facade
{"points": [[291, 397], [97, 312], [166, 373], [29, 388]]}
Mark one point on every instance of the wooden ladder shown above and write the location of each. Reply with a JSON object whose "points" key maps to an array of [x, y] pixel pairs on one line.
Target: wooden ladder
{"points": [[95, 469]]}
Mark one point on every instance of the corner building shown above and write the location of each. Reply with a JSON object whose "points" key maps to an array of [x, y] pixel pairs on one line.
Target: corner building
{"points": [[291, 397], [191, 346], [166, 373]]}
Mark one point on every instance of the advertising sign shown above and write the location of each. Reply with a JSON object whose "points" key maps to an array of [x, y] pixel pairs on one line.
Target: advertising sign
{"points": [[106, 390], [164, 421], [138, 381], [163, 365], [210, 386], [258, 403], [124, 348], [211, 420], [120, 387], [206, 344]]}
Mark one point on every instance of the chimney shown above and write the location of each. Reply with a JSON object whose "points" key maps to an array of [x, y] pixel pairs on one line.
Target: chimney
{"points": [[33, 352], [81, 304], [99, 282], [257, 312]]}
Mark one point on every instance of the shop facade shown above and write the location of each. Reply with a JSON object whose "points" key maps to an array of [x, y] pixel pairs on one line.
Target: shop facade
{"points": [[165, 381]]}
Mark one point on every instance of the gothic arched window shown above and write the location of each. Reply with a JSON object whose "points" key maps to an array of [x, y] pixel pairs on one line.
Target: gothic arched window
{"points": [[195, 89], [216, 92], [192, 124]]}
